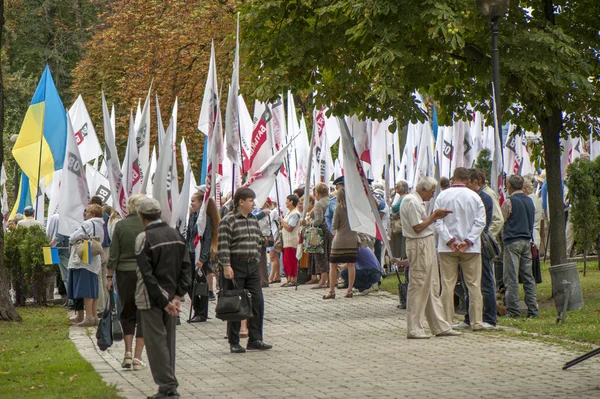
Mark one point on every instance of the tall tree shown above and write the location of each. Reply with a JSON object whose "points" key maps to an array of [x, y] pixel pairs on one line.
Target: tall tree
{"points": [[370, 56], [40, 32], [7, 310], [168, 41]]}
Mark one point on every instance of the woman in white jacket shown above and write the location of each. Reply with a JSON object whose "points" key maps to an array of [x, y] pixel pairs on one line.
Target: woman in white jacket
{"points": [[83, 276]]}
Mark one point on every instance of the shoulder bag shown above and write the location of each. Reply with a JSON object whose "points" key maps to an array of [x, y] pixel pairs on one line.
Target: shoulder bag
{"points": [[104, 336], [94, 240], [233, 305], [313, 240]]}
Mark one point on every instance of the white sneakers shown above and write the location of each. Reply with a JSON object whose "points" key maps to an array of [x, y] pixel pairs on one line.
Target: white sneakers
{"points": [[464, 326]]}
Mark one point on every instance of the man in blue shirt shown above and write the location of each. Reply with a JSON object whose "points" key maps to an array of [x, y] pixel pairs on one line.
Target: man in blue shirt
{"points": [[368, 271], [338, 183]]}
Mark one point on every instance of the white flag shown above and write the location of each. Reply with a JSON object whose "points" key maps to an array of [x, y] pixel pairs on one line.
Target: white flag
{"points": [[142, 135], [232, 117], [85, 134], [210, 124], [161, 190], [131, 172], [5, 208], [363, 215], [180, 213], [262, 181], [74, 191], [98, 184], [111, 158]]}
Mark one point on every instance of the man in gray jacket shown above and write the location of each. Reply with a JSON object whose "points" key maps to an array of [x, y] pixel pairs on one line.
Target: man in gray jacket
{"points": [[164, 276]]}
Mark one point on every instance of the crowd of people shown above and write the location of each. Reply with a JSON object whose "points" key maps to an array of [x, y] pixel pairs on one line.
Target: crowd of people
{"points": [[439, 242]]}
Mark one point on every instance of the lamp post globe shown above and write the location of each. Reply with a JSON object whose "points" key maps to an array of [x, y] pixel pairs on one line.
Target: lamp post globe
{"points": [[492, 8]]}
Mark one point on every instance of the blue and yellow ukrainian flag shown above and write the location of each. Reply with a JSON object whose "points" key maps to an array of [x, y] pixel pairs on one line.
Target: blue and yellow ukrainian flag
{"points": [[87, 252], [51, 256], [44, 128], [24, 198]]}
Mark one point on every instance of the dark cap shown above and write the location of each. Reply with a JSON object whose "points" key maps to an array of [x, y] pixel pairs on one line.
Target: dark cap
{"points": [[339, 180], [149, 206]]}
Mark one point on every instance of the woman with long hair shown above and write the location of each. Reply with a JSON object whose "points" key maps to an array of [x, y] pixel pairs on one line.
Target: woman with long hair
{"points": [[203, 271], [344, 247]]}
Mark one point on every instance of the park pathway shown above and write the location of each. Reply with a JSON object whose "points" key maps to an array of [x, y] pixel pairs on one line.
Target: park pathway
{"points": [[351, 348]]}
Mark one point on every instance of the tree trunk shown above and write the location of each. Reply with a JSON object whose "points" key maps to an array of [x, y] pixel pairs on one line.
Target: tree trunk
{"points": [[7, 310], [551, 125]]}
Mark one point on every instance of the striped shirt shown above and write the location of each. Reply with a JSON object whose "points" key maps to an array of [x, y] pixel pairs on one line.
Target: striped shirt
{"points": [[239, 236]]}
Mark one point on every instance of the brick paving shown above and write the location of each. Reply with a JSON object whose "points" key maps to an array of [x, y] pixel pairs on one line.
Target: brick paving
{"points": [[351, 348]]}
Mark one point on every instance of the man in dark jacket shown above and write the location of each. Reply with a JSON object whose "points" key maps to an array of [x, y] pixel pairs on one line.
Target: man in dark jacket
{"points": [[163, 279], [519, 213], [199, 302]]}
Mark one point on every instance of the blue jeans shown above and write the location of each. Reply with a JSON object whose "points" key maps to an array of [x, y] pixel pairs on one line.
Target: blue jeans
{"points": [[517, 262], [488, 292], [364, 278]]}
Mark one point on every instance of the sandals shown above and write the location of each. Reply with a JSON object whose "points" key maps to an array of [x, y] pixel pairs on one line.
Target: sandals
{"points": [[87, 323], [137, 364], [127, 360], [329, 295], [349, 294], [274, 281], [319, 287], [285, 284]]}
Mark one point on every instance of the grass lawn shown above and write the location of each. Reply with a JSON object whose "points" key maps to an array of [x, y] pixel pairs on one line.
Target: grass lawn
{"points": [[38, 360], [580, 325]]}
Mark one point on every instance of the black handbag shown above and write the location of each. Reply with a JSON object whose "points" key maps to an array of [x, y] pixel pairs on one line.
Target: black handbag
{"points": [[198, 289], [117, 328], [233, 305], [104, 337]]}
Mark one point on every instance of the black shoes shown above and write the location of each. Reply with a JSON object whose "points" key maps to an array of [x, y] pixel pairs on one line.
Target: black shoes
{"points": [[237, 348], [258, 346], [198, 319], [171, 394]]}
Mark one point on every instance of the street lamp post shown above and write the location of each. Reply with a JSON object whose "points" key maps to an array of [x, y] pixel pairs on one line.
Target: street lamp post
{"points": [[494, 10]]}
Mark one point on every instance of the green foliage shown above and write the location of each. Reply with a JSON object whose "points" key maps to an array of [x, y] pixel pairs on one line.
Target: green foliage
{"points": [[369, 56], [12, 261], [484, 162], [24, 259], [12, 255], [584, 212]]}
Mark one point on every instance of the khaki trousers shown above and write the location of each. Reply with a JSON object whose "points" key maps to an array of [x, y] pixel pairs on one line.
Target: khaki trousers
{"points": [[471, 267], [423, 288]]}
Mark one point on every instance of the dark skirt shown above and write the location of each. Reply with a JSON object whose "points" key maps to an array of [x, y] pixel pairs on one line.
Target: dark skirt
{"points": [[343, 255], [82, 284], [319, 263], [398, 244]]}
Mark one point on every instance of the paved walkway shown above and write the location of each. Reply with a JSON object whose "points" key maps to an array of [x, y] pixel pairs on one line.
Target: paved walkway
{"points": [[352, 348]]}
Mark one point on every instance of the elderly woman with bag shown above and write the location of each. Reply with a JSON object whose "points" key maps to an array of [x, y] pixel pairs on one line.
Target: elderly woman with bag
{"points": [[319, 262], [122, 266], [83, 276]]}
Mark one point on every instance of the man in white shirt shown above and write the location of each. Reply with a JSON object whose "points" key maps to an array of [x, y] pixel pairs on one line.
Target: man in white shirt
{"points": [[459, 243], [29, 218], [423, 288]]}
